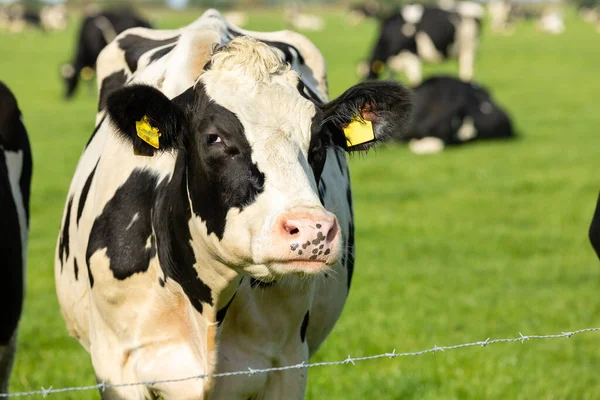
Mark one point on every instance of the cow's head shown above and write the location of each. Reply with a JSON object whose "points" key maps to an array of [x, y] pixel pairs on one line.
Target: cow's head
{"points": [[255, 148]]}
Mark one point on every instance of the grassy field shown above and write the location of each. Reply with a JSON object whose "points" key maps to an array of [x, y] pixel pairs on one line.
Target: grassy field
{"points": [[487, 240]]}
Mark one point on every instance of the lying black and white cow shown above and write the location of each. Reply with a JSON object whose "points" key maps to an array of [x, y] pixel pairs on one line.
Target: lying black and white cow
{"points": [[15, 179], [96, 31], [425, 33], [594, 232], [448, 111], [209, 224]]}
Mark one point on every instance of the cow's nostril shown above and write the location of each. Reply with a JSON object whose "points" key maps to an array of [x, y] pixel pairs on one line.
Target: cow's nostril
{"points": [[291, 228], [332, 233]]}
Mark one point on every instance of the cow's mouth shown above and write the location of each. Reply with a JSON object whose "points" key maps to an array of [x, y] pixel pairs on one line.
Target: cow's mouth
{"points": [[299, 266]]}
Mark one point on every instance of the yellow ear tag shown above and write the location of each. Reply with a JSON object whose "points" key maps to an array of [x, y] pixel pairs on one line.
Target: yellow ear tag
{"points": [[359, 132], [147, 132]]}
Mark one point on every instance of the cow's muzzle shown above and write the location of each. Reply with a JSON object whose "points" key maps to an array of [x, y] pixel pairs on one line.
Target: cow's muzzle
{"points": [[306, 241]]}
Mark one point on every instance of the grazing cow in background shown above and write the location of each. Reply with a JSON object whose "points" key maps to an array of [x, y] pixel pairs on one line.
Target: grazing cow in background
{"points": [[594, 232], [448, 111], [15, 18], [15, 180], [424, 33], [96, 32], [209, 223]]}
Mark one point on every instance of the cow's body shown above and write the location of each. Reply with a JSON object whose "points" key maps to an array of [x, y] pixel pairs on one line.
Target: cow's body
{"points": [[146, 320], [96, 32], [15, 179], [449, 112], [428, 34]]}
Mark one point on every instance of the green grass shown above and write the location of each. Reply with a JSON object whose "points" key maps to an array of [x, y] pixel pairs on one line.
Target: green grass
{"points": [[487, 240]]}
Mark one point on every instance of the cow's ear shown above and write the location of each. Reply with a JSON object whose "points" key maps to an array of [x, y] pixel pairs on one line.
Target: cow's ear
{"points": [[367, 114], [146, 117]]}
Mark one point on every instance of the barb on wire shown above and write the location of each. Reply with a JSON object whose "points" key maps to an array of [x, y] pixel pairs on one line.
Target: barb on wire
{"points": [[250, 371]]}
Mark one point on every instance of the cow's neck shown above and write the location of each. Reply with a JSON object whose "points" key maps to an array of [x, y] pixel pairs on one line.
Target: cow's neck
{"points": [[207, 284]]}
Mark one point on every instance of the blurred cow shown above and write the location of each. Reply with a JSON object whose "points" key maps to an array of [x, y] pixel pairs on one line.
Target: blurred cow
{"points": [[236, 18], [302, 21], [589, 11], [594, 232], [500, 16], [448, 111], [424, 33], [15, 180], [96, 31], [54, 18], [551, 22], [359, 12], [15, 18]]}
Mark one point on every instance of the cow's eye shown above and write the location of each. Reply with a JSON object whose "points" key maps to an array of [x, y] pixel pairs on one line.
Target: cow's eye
{"points": [[212, 139]]}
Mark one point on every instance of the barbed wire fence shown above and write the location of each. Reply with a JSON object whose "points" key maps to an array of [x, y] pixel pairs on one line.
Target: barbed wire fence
{"points": [[349, 360]]}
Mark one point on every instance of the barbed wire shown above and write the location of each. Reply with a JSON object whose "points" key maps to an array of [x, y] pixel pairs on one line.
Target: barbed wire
{"points": [[250, 371]]}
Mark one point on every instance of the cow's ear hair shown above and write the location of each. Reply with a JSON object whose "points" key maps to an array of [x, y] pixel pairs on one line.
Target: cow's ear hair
{"points": [[136, 107], [387, 105]]}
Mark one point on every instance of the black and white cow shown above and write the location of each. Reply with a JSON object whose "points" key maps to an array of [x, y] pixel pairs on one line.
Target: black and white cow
{"points": [[594, 232], [229, 242], [448, 111], [96, 32], [15, 179], [15, 18], [425, 33]]}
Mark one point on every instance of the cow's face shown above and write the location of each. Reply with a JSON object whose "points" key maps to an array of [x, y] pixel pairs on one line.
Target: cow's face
{"points": [[255, 149]]}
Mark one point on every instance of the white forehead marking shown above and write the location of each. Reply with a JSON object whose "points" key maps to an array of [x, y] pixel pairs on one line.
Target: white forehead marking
{"points": [[250, 79]]}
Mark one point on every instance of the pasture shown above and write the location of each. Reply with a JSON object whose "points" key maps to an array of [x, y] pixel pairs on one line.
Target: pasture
{"points": [[487, 240]]}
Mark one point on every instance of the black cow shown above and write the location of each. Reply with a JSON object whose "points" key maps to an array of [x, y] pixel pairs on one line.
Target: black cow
{"points": [[594, 232], [449, 111], [96, 32], [15, 179], [425, 33]]}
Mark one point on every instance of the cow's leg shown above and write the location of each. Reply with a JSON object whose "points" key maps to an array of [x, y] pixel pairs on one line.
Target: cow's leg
{"points": [[289, 384], [409, 64], [379, 57], [7, 355], [162, 361], [467, 47]]}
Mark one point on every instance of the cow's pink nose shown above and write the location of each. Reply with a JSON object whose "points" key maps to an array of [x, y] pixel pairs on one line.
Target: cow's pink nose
{"points": [[309, 236]]}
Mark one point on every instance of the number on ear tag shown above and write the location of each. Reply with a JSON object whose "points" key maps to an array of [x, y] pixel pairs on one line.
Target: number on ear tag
{"points": [[147, 132], [359, 132]]}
